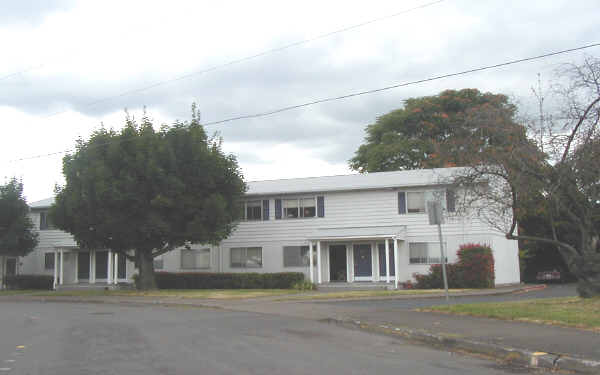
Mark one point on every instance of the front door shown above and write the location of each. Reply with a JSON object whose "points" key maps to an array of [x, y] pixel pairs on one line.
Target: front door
{"points": [[11, 266], [337, 263], [362, 262], [101, 264], [83, 265]]}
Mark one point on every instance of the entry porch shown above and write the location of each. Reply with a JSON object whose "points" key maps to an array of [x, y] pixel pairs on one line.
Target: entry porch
{"points": [[349, 255], [74, 266]]}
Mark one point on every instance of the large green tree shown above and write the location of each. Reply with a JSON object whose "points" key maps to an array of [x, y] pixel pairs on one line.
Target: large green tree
{"points": [[429, 132], [17, 235], [149, 191]]}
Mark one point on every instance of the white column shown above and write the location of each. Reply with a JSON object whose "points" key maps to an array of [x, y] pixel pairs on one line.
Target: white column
{"points": [[55, 268], [92, 266], [387, 260], [109, 268], [396, 263], [319, 262], [310, 262], [116, 263], [62, 267]]}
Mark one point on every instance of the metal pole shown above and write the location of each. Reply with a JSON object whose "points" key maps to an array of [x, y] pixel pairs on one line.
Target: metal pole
{"points": [[443, 262]]}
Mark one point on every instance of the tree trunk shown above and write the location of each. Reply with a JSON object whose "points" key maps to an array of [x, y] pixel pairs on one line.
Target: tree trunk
{"points": [[588, 275], [145, 262]]}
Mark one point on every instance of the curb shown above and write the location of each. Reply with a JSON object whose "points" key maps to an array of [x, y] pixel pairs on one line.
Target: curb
{"points": [[526, 358]]}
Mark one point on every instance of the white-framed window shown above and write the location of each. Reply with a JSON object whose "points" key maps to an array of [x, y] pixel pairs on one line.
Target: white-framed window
{"points": [[195, 258], [299, 207], [425, 252], [49, 261], [295, 256], [246, 257], [253, 210], [45, 221], [159, 263], [415, 202]]}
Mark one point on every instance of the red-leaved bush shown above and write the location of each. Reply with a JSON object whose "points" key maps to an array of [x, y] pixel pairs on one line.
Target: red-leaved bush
{"points": [[474, 269]]}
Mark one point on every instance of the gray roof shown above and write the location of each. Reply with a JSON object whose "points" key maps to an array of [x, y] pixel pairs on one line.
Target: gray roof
{"points": [[377, 180], [366, 181]]}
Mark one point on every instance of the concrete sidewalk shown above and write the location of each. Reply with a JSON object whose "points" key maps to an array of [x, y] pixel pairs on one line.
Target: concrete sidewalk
{"points": [[566, 348]]}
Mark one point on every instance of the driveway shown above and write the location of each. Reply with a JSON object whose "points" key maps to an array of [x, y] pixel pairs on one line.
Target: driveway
{"points": [[66, 338]]}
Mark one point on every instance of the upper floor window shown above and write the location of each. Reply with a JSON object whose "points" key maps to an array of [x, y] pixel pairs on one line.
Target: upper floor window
{"points": [[255, 210], [415, 202], [45, 221], [299, 207]]}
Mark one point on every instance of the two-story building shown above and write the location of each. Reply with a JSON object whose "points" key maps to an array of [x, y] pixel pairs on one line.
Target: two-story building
{"points": [[360, 227]]}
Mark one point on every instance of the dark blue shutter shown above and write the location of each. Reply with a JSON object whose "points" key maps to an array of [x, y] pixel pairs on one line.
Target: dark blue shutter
{"points": [[450, 200], [265, 209], [277, 208], [401, 202], [321, 206]]}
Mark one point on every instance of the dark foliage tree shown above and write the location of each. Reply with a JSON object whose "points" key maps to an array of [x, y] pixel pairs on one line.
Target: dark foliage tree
{"points": [[148, 192], [429, 132]]}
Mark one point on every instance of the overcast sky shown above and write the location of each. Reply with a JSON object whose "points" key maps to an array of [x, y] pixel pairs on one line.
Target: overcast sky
{"points": [[61, 59]]}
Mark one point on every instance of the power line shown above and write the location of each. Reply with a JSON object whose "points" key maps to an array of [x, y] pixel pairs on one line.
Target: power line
{"points": [[240, 60], [350, 95]]}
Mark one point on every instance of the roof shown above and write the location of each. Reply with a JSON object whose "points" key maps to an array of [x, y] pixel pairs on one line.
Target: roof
{"points": [[366, 181]]}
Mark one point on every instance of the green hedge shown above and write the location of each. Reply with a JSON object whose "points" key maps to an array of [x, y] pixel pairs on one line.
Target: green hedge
{"points": [[205, 280], [474, 269], [29, 282]]}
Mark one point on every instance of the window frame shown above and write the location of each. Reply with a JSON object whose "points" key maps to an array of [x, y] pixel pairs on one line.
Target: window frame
{"points": [[198, 253], [303, 256], [244, 263], [300, 207], [158, 263], [45, 223], [429, 259], [260, 207], [408, 194]]}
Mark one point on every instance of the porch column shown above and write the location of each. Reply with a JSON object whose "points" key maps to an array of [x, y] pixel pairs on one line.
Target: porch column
{"points": [[76, 279], [109, 268], [55, 268], [387, 260], [319, 262], [116, 263], [310, 262], [62, 266], [396, 263], [92, 266]]}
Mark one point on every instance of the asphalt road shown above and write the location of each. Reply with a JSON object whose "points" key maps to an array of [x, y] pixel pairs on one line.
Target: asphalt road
{"points": [[64, 339], [551, 291]]}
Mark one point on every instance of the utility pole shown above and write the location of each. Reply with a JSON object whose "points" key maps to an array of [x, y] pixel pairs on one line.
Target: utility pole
{"points": [[434, 210]]}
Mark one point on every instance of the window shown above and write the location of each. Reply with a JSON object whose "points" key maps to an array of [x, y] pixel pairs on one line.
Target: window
{"points": [[246, 257], [425, 252], [45, 222], [159, 263], [254, 210], [195, 258], [295, 256], [303, 207], [49, 261], [415, 202]]}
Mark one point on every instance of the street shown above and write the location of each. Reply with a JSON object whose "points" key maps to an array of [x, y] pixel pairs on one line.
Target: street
{"points": [[65, 338]]}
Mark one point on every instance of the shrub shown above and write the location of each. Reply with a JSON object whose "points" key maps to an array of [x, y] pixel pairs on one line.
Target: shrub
{"points": [[304, 286], [29, 282], [474, 269], [206, 280]]}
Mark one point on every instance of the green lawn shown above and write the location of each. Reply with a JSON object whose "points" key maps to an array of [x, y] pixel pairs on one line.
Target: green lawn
{"points": [[368, 293], [570, 312], [163, 293]]}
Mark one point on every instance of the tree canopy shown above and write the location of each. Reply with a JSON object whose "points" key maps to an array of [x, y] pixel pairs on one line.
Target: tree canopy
{"points": [[429, 132], [149, 191], [17, 235], [560, 185]]}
